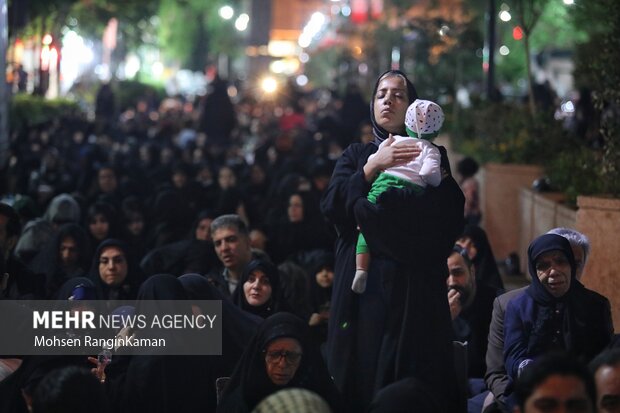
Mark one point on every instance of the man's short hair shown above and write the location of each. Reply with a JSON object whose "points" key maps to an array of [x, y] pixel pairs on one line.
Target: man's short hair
{"points": [[230, 221], [610, 357], [13, 225], [549, 365], [575, 238], [463, 253]]}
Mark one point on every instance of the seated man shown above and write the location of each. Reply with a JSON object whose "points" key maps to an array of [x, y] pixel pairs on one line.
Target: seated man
{"points": [[606, 370], [471, 303], [231, 241], [556, 383]]}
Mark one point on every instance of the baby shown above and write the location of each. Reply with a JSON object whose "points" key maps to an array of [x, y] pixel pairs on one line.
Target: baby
{"points": [[422, 122]]}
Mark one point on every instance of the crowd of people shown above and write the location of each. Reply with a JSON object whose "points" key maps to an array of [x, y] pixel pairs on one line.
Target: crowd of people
{"points": [[260, 205]]}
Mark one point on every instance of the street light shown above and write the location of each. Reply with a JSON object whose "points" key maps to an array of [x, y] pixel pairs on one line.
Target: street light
{"points": [[241, 24], [226, 12], [269, 85]]}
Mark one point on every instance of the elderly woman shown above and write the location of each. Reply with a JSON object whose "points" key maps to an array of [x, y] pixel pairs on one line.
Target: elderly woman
{"points": [[260, 294], [400, 326], [556, 312], [279, 356]]}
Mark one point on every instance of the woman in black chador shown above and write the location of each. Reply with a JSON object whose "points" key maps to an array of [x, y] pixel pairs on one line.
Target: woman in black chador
{"points": [[279, 356], [400, 326]]}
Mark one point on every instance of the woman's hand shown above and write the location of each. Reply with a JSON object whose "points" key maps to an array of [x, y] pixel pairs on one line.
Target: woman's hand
{"points": [[389, 155]]}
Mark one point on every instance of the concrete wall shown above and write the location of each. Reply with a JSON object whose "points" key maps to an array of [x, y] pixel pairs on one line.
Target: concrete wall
{"points": [[501, 217], [541, 212], [599, 219]]}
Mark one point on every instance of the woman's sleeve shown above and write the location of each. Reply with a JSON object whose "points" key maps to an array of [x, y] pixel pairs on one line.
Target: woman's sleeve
{"points": [[516, 339], [346, 186], [410, 228]]}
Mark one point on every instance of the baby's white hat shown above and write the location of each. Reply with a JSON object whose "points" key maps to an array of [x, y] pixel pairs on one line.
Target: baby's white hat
{"points": [[424, 118]]}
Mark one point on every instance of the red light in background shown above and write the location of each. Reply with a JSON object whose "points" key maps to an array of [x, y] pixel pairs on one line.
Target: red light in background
{"points": [[517, 33]]}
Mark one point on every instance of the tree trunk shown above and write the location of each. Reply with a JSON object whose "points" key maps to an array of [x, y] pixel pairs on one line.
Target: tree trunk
{"points": [[530, 89]]}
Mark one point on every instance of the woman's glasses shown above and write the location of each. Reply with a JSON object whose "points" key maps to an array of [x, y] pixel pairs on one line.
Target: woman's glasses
{"points": [[290, 357]]}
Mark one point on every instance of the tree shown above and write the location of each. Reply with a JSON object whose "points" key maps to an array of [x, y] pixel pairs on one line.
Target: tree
{"points": [[528, 13]]}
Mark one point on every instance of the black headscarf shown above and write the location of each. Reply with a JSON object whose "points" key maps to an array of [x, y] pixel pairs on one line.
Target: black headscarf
{"points": [[161, 287], [484, 261], [78, 288], [48, 261], [320, 297], [275, 303], [402, 396], [167, 383], [238, 326], [380, 133], [129, 287], [250, 383], [546, 243]]}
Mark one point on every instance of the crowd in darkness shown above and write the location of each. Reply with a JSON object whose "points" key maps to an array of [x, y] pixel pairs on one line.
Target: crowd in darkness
{"points": [[150, 172], [149, 180], [258, 203]]}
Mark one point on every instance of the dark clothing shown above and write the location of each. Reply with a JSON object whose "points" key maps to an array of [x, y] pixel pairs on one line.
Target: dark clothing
{"points": [[250, 383], [217, 114], [472, 326], [180, 257], [289, 240], [580, 325], [536, 322], [496, 378], [238, 327], [404, 395], [77, 288], [48, 262], [165, 383], [23, 284], [484, 261], [400, 327]]}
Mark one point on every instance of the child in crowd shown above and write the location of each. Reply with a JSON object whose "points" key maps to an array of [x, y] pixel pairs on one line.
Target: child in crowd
{"points": [[423, 122]]}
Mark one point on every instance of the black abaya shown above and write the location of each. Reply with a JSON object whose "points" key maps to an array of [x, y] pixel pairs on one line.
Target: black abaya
{"points": [[400, 327]]}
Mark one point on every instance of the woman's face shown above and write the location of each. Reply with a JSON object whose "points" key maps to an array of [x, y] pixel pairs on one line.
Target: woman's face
{"points": [[325, 277], [295, 209], [68, 252], [107, 180], [203, 229], [226, 178], [390, 103], [258, 239], [554, 272], [468, 245], [257, 288], [135, 225], [257, 175], [179, 179], [99, 227], [112, 266], [282, 358]]}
